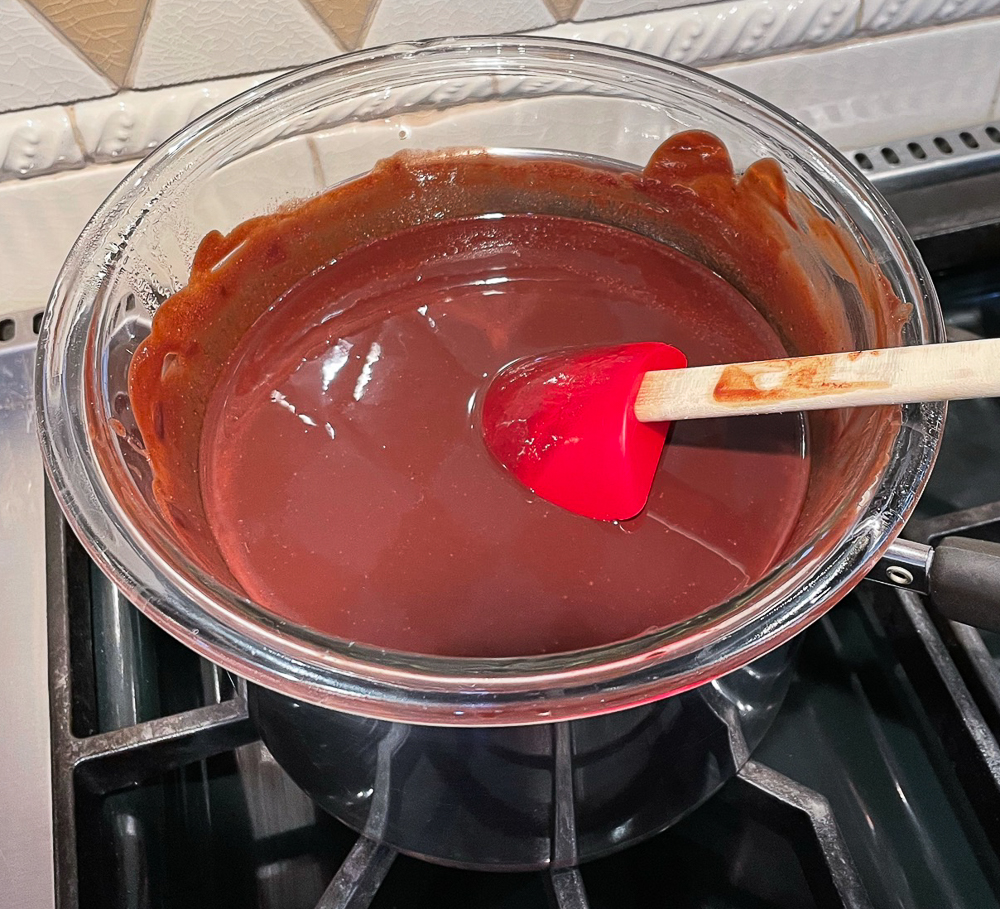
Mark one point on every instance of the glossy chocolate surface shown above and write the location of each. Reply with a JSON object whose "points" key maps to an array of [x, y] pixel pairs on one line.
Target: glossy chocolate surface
{"points": [[389, 579], [346, 479]]}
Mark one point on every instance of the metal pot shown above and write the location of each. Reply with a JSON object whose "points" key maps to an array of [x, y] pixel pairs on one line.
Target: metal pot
{"points": [[517, 798], [525, 787]]}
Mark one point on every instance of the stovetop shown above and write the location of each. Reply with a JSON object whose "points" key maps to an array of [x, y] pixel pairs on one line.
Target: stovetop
{"points": [[878, 785]]}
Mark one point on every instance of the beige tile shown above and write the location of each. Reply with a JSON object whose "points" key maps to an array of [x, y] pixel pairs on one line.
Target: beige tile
{"points": [[347, 18], [887, 88], [37, 67], [104, 31], [563, 9], [410, 20], [187, 40]]}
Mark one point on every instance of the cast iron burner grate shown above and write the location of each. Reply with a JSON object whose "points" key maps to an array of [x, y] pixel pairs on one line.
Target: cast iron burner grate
{"points": [[101, 777]]}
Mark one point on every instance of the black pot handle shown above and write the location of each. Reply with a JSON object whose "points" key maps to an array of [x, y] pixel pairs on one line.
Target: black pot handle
{"points": [[961, 575]]}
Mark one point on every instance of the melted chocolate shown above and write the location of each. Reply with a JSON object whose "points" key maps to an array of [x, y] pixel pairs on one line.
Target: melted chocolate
{"points": [[424, 545], [348, 485]]}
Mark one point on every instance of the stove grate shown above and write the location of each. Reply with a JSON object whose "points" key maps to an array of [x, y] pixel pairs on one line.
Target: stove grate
{"points": [[92, 765]]}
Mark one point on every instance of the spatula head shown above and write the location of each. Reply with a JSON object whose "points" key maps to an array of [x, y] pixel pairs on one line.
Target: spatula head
{"points": [[564, 424]]}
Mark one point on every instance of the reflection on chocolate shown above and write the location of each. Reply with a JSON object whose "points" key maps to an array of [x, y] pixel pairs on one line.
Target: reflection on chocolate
{"points": [[308, 401]]}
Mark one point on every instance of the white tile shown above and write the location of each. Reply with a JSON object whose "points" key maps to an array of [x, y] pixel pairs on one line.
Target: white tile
{"points": [[187, 40], [256, 183], [39, 220], [883, 88], [36, 67], [37, 141], [604, 9], [410, 20], [898, 15], [714, 32], [629, 132], [131, 124]]}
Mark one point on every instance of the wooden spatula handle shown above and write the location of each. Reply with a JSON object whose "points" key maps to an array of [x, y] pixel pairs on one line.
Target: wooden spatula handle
{"points": [[897, 375]]}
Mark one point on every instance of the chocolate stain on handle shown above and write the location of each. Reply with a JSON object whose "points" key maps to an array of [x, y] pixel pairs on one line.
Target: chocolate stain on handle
{"points": [[795, 379]]}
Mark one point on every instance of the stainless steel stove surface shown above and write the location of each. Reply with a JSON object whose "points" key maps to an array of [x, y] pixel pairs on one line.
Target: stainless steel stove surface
{"points": [[878, 785]]}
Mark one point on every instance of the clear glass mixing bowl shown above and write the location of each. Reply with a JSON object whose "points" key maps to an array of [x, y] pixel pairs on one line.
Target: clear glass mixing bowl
{"points": [[314, 128]]}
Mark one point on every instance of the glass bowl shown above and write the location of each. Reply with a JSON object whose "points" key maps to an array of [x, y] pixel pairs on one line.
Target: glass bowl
{"points": [[311, 129]]}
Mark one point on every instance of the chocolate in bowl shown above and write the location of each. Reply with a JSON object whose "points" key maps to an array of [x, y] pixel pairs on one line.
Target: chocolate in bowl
{"points": [[375, 514], [325, 124]]}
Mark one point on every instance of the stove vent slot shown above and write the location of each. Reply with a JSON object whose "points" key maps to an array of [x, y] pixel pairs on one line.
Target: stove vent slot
{"points": [[961, 151], [19, 328]]}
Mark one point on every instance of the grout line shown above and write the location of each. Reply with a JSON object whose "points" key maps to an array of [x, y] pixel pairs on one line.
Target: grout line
{"points": [[373, 5], [994, 111], [258, 76], [317, 163], [140, 36], [628, 17], [77, 133]]}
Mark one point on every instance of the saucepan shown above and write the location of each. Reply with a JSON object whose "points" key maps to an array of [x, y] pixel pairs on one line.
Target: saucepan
{"points": [[494, 763]]}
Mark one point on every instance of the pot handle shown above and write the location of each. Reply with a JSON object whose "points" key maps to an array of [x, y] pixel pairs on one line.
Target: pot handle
{"points": [[961, 575]]}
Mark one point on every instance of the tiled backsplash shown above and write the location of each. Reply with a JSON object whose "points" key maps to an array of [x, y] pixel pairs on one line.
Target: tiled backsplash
{"points": [[59, 51], [98, 82], [102, 82]]}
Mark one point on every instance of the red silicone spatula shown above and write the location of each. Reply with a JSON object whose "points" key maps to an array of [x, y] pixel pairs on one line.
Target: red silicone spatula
{"points": [[584, 429]]}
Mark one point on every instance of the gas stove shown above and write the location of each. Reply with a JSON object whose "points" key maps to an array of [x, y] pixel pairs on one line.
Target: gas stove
{"points": [[878, 785]]}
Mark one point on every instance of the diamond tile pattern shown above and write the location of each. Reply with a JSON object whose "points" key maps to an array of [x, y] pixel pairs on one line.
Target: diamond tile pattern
{"points": [[104, 31], [59, 51], [54, 51]]}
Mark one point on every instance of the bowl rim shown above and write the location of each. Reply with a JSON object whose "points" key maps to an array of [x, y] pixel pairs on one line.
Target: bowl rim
{"points": [[445, 690]]}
